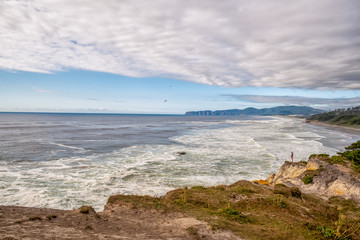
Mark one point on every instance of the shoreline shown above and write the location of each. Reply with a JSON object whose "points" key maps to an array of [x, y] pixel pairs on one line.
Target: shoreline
{"points": [[217, 212], [346, 129]]}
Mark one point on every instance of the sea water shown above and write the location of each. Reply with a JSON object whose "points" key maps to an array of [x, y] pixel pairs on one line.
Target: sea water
{"points": [[68, 160]]}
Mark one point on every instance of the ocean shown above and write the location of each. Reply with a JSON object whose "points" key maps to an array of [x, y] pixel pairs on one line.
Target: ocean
{"points": [[65, 161]]}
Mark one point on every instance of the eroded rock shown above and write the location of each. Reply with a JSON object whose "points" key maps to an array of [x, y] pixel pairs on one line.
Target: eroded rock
{"points": [[327, 180]]}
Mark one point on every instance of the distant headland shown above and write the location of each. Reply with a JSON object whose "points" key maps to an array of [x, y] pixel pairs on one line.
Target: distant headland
{"points": [[281, 110]]}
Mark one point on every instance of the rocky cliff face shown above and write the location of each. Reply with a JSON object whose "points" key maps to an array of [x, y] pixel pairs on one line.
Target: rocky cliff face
{"points": [[320, 178]]}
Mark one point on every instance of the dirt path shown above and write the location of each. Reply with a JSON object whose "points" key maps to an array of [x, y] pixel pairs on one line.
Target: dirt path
{"points": [[116, 223]]}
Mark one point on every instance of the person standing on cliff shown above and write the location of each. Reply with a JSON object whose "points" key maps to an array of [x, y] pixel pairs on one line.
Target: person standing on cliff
{"points": [[292, 157]]}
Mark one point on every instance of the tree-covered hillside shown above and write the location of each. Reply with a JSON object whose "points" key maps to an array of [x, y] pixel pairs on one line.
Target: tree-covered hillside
{"points": [[347, 117], [281, 110]]}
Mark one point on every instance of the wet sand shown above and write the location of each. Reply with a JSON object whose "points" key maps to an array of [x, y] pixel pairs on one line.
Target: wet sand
{"points": [[346, 129]]}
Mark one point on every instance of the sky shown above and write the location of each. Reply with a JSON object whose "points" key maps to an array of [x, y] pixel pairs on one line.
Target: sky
{"points": [[169, 57]]}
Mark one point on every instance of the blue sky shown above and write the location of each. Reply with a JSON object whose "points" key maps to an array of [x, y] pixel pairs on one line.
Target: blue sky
{"points": [[86, 91], [176, 56]]}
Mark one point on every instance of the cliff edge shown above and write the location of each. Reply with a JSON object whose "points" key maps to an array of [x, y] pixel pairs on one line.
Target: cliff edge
{"points": [[319, 177]]}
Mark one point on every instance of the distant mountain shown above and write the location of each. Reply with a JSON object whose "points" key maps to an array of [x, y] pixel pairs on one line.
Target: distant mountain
{"points": [[281, 110], [347, 117]]}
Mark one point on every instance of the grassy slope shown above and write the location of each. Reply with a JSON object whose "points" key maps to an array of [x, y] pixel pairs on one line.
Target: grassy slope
{"points": [[255, 211]]}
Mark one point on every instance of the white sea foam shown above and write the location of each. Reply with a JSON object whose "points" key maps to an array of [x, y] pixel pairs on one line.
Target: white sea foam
{"points": [[68, 146], [248, 149]]}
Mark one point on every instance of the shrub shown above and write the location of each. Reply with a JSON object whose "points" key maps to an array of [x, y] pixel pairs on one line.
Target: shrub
{"points": [[233, 214], [336, 159], [282, 204], [307, 179], [353, 154], [279, 201], [282, 189], [353, 146], [295, 192], [287, 191], [86, 209], [321, 156], [326, 232]]}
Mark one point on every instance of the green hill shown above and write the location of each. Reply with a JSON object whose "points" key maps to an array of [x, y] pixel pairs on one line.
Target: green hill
{"points": [[281, 110]]}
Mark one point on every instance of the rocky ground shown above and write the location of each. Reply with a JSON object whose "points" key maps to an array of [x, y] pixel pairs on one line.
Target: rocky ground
{"points": [[318, 176], [113, 223]]}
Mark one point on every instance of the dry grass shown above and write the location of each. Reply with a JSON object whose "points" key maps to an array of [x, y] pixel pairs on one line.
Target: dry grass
{"points": [[252, 211], [86, 209]]}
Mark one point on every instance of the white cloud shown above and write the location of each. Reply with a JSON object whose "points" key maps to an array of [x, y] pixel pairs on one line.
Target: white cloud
{"points": [[304, 44]]}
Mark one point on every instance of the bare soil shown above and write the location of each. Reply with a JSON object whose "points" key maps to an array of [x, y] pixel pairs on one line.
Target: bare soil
{"points": [[113, 223]]}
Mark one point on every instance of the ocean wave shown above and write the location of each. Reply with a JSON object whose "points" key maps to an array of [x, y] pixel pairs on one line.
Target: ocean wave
{"points": [[213, 153]]}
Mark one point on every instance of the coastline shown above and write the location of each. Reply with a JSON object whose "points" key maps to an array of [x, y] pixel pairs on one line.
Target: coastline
{"points": [[346, 129], [289, 207], [219, 212], [198, 212]]}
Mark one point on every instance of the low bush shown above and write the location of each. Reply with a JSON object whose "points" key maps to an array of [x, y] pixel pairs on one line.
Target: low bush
{"points": [[295, 192], [323, 156], [326, 232], [336, 159], [307, 179], [353, 154], [233, 214], [86, 209]]}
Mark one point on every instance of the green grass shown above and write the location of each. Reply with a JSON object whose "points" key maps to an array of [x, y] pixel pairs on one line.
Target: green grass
{"points": [[249, 210]]}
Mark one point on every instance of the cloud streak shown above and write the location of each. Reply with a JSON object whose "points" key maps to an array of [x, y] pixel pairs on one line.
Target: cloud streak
{"points": [[234, 43], [323, 103]]}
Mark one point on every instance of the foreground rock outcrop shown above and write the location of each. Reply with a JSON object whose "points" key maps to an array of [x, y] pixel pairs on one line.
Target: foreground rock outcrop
{"points": [[321, 178], [116, 222]]}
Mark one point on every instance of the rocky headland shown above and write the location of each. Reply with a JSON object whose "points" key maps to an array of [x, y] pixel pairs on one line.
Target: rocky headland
{"points": [[280, 110], [319, 177], [317, 199]]}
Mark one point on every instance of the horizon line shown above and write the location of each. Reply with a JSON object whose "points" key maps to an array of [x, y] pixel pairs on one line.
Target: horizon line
{"points": [[93, 113]]}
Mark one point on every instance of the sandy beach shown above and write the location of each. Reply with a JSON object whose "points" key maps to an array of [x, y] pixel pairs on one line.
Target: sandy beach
{"points": [[347, 129]]}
